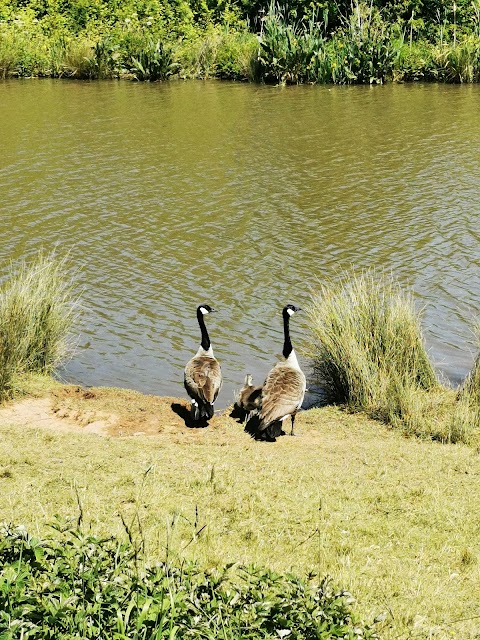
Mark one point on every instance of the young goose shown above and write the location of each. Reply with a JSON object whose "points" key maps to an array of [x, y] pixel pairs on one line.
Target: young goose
{"points": [[203, 376], [284, 387], [250, 397]]}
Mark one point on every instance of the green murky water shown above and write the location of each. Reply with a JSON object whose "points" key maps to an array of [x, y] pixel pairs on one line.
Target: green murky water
{"points": [[170, 195]]}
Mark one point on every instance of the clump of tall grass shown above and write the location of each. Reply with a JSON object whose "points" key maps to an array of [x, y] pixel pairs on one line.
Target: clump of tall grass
{"points": [[361, 51], [367, 350], [278, 58], [37, 310], [458, 63], [471, 384], [466, 419], [79, 585], [364, 50]]}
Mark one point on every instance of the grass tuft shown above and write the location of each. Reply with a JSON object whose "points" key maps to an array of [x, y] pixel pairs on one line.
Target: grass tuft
{"points": [[37, 310], [368, 353], [467, 416], [368, 345]]}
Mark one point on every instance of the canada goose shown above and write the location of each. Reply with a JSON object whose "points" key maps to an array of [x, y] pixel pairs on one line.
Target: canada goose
{"points": [[203, 376], [284, 387], [250, 397]]}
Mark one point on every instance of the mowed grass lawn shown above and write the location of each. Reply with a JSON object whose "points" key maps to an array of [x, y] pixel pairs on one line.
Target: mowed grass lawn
{"points": [[395, 521]]}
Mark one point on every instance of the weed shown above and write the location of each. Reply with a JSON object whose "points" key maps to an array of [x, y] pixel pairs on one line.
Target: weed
{"points": [[81, 585], [153, 62]]}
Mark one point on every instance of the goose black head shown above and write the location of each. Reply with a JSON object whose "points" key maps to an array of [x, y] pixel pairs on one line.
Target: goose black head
{"points": [[203, 309], [290, 309]]}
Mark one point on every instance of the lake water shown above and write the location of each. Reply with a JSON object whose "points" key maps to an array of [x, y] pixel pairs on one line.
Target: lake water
{"points": [[241, 196]]}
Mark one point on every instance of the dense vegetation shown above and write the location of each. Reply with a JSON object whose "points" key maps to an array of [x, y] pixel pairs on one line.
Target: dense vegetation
{"points": [[78, 585], [299, 41]]}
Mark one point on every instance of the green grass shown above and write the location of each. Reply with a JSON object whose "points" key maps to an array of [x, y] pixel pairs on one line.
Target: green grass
{"points": [[468, 397], [392, 520], [368, 343], [37, 310]]}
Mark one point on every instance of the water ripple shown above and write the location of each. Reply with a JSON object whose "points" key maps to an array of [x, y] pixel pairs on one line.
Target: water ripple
{"points": [[170, 195]]}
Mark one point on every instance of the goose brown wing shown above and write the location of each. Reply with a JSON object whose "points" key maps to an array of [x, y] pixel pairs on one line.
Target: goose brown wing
{"points": [[203, 378], [283, 392]]}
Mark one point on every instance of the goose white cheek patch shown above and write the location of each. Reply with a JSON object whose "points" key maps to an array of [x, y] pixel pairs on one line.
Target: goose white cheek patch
{"points": [[203, 310], [290, 312]]}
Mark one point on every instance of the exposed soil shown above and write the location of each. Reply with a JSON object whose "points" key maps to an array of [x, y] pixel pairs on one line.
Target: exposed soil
{"points": [[114, 412]]}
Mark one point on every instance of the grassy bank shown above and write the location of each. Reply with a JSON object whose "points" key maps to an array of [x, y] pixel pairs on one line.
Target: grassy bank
{"points": [[332, 42], [393, 520], [368, 354]]}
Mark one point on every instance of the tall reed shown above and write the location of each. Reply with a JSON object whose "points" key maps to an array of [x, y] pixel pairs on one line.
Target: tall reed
{"points": [[37, 310], [458, 63]]}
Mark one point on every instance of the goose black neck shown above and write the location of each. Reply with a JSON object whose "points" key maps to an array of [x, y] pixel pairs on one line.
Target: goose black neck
{"points": [[205, 343], [287, 343]]}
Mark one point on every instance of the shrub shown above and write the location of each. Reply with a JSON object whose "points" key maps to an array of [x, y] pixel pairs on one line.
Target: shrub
{"points": [[78, 585], [218, 52], [414, 62], [236, 53], [23, 51]]}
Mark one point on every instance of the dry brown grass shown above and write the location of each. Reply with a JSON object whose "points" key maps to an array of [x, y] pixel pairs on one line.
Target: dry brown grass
{"points": [[392, 519]]}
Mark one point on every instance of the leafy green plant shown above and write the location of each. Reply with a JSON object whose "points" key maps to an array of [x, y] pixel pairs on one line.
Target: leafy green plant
{"points": [[367, 51], [105, 58], [414, 61], [154, 62], [277, 57], [79, 585]]}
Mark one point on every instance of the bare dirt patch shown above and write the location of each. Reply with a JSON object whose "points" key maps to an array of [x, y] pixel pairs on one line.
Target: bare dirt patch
{"points": [[103, 411], [39, 413]]}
